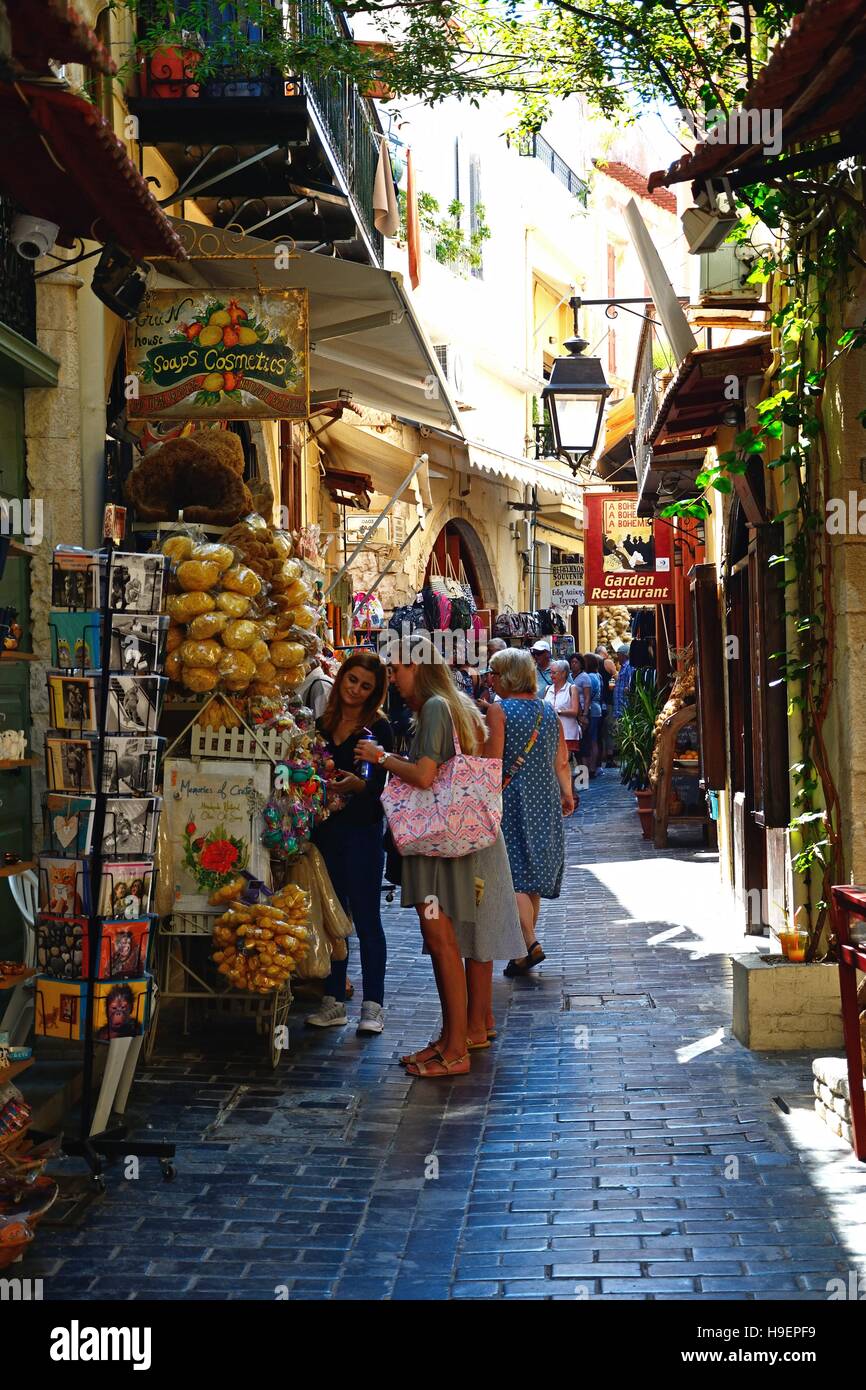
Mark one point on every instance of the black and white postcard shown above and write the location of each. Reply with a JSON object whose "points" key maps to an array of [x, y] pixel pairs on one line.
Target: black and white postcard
{"points": [[136, 582], [130, 765], [133, 704], [138, 643]]}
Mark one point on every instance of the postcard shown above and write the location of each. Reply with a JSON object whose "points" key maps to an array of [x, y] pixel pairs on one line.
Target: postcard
{"points": [[138, 643], [130, 825], [64, 886], [69, 823], [75, 640], [123, 947], [120, 1010], [136, 582], [61, 1008], [134, 704], [126, 889], [75, 578], [71, 764], [131, 765], [73, 702], [62, 946]]}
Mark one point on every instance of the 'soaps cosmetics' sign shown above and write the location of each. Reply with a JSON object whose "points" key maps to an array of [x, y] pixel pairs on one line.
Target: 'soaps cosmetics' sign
{"points": [[227, 355]]}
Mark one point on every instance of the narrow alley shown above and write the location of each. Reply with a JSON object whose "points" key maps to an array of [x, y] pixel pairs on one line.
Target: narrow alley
{"points": [[615, 1142]]}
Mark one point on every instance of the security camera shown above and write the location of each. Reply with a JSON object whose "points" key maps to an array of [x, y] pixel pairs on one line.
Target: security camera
{"points": [[33, 237]]}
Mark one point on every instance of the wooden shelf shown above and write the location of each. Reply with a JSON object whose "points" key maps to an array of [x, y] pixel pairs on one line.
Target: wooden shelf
{"points": [[10, 981], [13, 870], [15, 1069], [686, 820], [9, 764], [687, 765], [16, 548], [19, 656]]}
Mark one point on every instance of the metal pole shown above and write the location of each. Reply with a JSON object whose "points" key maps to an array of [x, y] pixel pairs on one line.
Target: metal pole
{"points": [[419, 463]]}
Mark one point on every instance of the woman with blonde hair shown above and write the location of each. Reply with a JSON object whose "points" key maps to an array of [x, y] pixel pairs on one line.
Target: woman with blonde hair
{"points": [[465, 906], [536, 792]]}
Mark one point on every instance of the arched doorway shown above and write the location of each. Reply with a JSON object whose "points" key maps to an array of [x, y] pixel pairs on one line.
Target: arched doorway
{"points": [[457, 546]]}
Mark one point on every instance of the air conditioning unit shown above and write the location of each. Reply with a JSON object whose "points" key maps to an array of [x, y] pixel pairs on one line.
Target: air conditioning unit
{"points": [[454, 370], [725, 272]]}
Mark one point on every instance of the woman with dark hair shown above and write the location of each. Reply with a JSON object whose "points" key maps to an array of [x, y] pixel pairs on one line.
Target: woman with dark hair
{"points": [[351, 839]]}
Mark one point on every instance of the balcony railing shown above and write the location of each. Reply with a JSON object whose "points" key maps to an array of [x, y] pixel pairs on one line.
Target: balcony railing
{"points": [[538, 148], [346, 115], [17, 286]]}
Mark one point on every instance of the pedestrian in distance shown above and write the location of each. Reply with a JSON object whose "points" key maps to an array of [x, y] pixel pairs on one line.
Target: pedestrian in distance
{"points": [[607, 676], [466, 906], [351, 839], [564, 697], [593, 749], [541, 656], [536, 793]]}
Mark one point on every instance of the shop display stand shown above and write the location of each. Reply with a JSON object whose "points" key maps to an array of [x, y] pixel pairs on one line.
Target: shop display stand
{"points": [[177, 931], [94, 1142]]}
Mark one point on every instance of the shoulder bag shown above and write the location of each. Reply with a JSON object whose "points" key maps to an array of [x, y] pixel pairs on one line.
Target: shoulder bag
{"points": [[521, 757], [459, 814]]}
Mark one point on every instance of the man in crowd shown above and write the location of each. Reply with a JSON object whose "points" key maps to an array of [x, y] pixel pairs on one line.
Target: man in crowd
{"points": [[624, 679], [315, 689], [541, 656]]}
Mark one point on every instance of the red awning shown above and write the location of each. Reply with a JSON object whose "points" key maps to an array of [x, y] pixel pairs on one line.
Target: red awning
{"points": [[814, 78], [43, 29], [60, 159]]}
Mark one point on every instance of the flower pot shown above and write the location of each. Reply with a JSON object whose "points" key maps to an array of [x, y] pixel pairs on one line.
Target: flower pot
{"points": [[645, 810], [374, 90], [784, 1006], [168, 72]]}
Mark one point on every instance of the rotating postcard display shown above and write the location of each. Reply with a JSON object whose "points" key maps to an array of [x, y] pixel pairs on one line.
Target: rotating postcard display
{"points": [[101, 811]]}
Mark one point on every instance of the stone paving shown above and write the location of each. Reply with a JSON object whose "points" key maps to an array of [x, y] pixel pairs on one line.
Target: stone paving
{"points": [[615, 1142]]}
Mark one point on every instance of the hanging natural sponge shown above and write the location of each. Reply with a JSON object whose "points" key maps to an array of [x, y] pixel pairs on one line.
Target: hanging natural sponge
{"points": [[197, 475]]}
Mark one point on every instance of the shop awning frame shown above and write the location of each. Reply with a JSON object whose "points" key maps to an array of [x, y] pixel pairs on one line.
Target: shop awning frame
{"points": [[420, 462], [365, 338]]}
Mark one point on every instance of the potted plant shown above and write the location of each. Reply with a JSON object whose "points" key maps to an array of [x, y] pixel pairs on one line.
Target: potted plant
{"points": [[211, 50], [634, 740]]}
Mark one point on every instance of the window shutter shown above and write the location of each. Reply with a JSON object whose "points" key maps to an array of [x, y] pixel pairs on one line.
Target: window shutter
{"points": [[769, 689], [474, 203]]}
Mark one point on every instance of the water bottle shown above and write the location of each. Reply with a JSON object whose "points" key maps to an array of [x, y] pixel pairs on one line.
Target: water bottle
{"points": [[366, 768]]}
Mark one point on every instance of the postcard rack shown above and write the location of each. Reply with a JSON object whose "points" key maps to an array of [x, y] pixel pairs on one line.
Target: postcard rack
{"points": [[102, 758]]}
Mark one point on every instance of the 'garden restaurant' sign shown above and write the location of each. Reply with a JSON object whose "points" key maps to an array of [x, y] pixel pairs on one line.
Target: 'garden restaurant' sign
{"points": [[227, 355], [628, 557]]}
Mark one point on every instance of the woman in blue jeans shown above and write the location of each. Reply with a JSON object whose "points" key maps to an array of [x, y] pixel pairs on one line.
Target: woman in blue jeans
{"points": [[351, 839]]}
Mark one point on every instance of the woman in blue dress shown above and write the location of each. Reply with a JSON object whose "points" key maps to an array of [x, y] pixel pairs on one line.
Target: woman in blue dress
{"points": [[536, 791]]}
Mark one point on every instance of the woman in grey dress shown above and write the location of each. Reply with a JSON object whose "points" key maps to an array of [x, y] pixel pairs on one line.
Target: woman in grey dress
{"points": [[465, 906]]}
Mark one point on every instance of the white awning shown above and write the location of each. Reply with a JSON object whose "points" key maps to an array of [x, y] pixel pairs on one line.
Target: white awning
{"points": [[364, 335], [356, 448], [548, 478]]}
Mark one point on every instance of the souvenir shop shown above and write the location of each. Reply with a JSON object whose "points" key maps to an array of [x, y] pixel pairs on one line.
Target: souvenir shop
{"points": [[183, 779]]}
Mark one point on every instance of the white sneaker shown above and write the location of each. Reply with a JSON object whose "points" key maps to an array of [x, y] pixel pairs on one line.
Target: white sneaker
{"points": [[372, 1019], [330, 1014]]}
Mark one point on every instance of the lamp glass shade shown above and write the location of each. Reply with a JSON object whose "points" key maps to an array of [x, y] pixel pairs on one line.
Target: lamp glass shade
{"points": [[575, 396]]}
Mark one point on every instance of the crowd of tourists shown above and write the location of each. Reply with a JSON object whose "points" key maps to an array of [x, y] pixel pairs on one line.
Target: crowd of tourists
{"points": [[546, 725]]}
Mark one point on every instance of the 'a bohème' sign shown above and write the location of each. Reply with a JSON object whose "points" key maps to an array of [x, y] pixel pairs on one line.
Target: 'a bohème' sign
{"points": [[227, 355], [628, 558]]}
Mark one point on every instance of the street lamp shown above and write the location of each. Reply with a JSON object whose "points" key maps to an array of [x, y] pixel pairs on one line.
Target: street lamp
{"points": [[575, 395]]}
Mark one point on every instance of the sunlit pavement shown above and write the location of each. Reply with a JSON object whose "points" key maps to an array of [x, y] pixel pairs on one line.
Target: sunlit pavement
{"points": [[615, 1142]]}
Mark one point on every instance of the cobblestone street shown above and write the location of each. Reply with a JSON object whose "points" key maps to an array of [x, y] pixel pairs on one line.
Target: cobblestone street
{"points": [[615, 1141]]}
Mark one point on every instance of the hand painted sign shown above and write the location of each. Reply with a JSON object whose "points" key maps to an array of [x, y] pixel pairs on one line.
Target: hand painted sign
{"points": [[231, 355], [628, 558]]}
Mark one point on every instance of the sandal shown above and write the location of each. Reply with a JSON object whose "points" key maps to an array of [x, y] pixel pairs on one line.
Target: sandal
{"points": [[534, 956], [411, 1058], [491, 1034], [477, 1046], [453, 1068]]}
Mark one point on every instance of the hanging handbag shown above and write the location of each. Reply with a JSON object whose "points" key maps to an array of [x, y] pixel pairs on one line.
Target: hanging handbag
{"points": [[466, 587], [459, 814], [507, 624], [411, 615], [531, 625], [453, 587], [461, 615], [430, 600]]}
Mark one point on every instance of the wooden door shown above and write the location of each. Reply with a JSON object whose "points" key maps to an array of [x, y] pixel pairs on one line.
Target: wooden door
{"points": [[749, 846]]}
